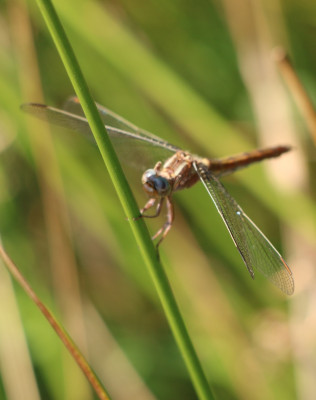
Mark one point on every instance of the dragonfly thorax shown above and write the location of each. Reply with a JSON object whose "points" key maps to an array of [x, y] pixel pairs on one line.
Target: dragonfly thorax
{"points": [[175, 174]]}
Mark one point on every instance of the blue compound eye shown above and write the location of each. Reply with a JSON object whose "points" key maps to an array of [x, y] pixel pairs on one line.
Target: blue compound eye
{"points": [[148, 174], [154, 184], [161, 185]]}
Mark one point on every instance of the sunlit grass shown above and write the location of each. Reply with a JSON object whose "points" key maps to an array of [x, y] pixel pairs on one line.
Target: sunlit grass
{"points": [[173, 70]]}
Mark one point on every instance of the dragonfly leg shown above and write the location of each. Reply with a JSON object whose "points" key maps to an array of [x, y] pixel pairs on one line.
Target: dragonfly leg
{"points": [[150, 203], [163, 231], [158, 166]]}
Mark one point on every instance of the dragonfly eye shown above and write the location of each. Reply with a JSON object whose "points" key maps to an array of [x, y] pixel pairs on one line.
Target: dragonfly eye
{"points": [[154, 184], [162, 186], [147, 175]]}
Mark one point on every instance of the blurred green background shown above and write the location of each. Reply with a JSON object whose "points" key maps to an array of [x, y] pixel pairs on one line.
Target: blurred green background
{"points": [[201, 75]]}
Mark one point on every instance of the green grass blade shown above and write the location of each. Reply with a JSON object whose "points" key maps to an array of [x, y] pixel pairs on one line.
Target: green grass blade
{"points": [[130, 207]]}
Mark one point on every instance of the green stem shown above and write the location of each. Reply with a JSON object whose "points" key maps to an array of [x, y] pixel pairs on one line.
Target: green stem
{"points": [[128, 202]]}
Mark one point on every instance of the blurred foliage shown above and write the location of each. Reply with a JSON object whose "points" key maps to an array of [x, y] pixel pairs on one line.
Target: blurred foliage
{"points": [[176, 69]]}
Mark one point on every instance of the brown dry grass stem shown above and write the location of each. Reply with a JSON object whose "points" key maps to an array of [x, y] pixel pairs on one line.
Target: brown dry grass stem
{"points": [[297, 89], [72, 348]]}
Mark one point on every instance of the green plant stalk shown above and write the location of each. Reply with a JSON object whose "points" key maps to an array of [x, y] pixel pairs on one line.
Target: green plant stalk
{"points": [[128, 202]]}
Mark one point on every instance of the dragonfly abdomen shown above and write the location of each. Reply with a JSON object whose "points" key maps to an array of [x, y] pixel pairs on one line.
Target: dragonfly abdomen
{"points": [[225, 166]]}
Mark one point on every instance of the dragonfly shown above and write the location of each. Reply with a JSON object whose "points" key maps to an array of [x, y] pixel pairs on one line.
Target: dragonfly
{"points": [[174, 169]]}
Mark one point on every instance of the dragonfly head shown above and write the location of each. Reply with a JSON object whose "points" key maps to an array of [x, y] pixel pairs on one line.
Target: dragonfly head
{"points": [[154, 184]]}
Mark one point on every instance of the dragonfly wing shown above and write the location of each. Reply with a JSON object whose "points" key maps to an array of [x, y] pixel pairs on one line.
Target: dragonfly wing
{"points": [[135, 149], [114, 120], [255, 249], [109, 118]]}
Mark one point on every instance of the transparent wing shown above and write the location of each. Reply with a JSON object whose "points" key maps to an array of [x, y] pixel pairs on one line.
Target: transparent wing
{"points": [[114, 120], [135, 147], [255, 249]]}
